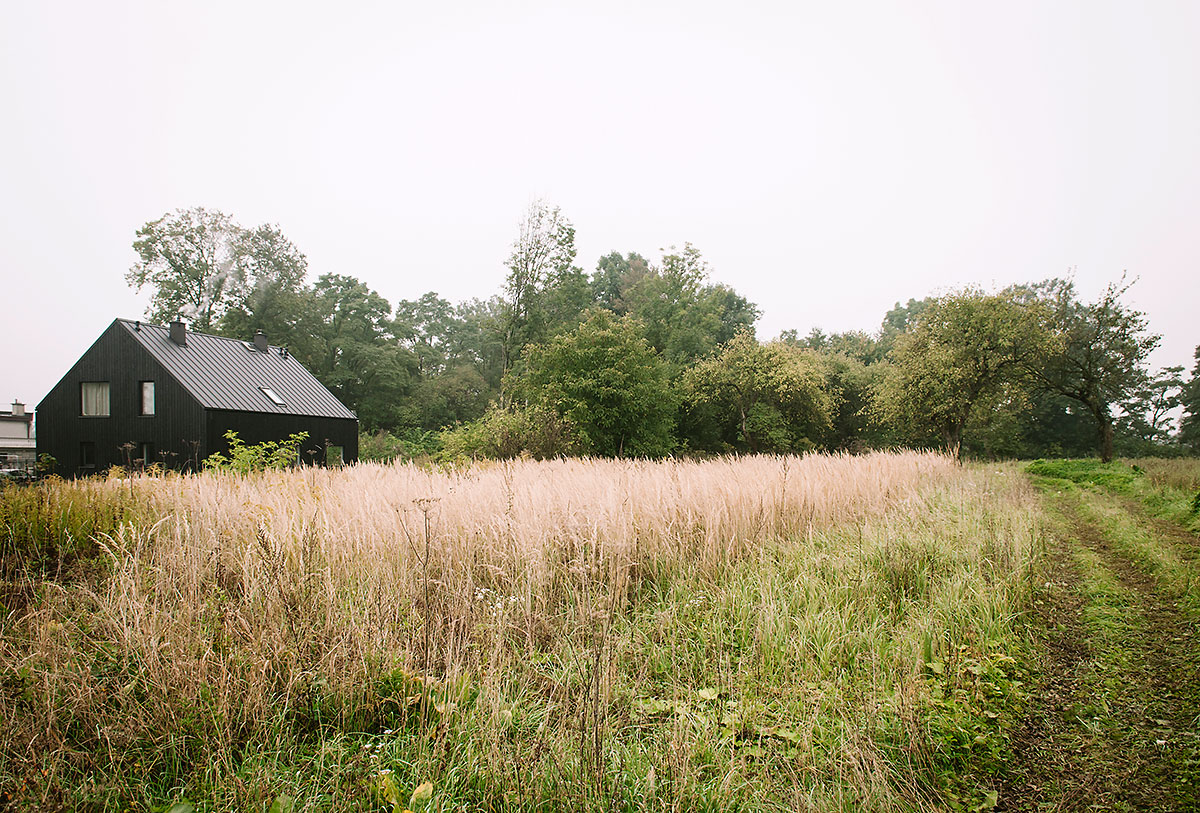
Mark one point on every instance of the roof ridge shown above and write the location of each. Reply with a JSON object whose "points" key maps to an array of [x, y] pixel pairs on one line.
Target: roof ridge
{"points": [[192, 332]]}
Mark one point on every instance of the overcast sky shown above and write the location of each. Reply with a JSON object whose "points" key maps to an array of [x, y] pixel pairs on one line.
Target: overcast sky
{"points": [[827, 158]]}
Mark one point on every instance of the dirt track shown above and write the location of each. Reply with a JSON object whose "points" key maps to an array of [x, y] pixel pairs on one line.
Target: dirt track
{"points": [[1114, 718]]}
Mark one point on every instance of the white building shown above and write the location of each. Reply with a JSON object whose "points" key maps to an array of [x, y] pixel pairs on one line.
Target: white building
{"points": [[18, 445]]}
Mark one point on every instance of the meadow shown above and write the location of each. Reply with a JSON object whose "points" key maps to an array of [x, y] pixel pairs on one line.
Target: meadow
{"points": [[754, 633]]}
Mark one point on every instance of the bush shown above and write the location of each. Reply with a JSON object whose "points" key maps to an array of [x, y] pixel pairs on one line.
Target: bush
{"points": [[502, 434], [384, 447], [245, 458]]}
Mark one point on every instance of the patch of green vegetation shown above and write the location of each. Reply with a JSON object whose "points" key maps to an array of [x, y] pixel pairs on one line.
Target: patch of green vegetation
{"points": [[53, 523]]}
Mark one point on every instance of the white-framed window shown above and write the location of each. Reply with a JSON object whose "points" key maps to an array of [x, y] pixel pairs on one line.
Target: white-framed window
{"points": [[147, 397], [270, 393], [93, 396]]}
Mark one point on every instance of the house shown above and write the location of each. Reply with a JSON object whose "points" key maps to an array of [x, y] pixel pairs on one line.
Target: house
{"points": [[145, 394], [17, 444]]}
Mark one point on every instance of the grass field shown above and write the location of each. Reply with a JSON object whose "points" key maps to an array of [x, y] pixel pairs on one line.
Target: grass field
{"points": [[762, 633]]}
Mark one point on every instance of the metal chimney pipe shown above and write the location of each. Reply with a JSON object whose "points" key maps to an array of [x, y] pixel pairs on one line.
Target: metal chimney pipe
{"points": [[179, 333], [260, 341]]}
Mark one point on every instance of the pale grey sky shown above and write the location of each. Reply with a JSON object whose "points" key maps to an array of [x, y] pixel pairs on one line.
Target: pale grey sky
{"points": [[827, 158]]}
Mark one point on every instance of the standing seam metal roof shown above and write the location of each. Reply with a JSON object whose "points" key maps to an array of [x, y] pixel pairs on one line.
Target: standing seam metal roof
{"points": [[222, 373]]}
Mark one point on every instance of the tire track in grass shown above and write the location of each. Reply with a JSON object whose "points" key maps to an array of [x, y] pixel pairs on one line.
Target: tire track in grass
{"points": [[1113, 720]]}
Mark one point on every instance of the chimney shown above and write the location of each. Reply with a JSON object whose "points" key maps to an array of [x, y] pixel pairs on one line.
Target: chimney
{"points": [[18, 409], [179, 333], [260, 341]]}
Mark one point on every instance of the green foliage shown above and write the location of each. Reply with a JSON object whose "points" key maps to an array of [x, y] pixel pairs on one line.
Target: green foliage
{"points": [[503, 434], [1098, 356], [244, 458], [608, 384], [963, 350], [189, 259], [45, 524], [770, 397], [383, 446], [1189, 399]]}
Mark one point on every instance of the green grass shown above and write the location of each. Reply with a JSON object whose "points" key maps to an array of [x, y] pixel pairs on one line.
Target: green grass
{"points": [[1170, 488]]}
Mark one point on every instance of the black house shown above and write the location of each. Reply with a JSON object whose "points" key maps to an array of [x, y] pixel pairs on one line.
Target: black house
{"points": [[146, 394]]}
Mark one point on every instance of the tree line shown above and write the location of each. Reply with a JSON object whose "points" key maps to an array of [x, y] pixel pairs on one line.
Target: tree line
{"points": [[648, 358]]}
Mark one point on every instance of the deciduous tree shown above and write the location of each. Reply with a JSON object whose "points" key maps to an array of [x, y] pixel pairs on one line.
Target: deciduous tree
{"points": [[1100, 351], [189, 258], [962, 349]]}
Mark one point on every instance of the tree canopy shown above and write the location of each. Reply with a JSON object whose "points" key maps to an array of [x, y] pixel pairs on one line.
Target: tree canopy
{"points": [[654, 356]]}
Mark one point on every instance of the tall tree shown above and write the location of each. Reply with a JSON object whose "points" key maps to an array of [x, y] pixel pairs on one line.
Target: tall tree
{"points": [[963, 348], [1189, 399], [614, 277], [358, 357], [272, 297], [541, 264], [608, 383], [1145, 423], [685, 317], [189, 258], [1100, 353], [769, 397]]}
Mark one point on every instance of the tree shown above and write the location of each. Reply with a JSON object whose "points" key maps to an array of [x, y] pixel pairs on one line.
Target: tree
{"points": [[773, 397], [1100, 351], [614, 277], [687, 319], [272, 296], [190, 259], [962, 349], [544, 291], [609, 385], [358, 357], [1144, 426], [1189, 399]]}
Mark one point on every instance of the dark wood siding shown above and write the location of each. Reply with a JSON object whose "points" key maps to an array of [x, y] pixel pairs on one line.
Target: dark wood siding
{"points": [[257, 427], [181, 431], [176, 429]]}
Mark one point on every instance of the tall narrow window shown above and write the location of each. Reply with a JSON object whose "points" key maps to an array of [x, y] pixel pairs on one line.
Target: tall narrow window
{"points": [[94, 397], [145, 453], [147, 397], [87, 454]]}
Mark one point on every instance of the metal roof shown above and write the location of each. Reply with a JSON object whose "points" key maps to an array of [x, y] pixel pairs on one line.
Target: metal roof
{"points": [[223, 373]]}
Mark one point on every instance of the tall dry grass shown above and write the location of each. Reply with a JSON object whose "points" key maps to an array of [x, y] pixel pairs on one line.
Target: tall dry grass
{"points": [[318, 602]]}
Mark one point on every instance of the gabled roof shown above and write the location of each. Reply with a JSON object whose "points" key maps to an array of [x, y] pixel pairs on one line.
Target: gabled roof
{"points": [[224, 373]]}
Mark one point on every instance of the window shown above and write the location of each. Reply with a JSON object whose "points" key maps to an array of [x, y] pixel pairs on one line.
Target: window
{"points": [[147, 397], [94, 398], [87, 454], [270, 393], [334, 456], [145, 453]]}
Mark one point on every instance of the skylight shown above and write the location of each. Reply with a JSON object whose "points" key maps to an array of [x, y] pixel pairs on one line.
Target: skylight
{"points": [[270, 393]]}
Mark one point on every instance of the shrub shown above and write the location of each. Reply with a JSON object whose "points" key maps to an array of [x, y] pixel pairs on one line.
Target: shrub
{"points": [[244, 458], [502, 434]]}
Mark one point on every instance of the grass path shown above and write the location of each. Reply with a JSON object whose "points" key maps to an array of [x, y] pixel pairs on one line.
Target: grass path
{"points": [[1115, 716]]}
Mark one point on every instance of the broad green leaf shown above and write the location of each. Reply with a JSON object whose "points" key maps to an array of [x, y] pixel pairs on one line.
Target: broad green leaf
{"points": [[709, 694], [386, 788], [181, 807], [421, 796], [283, 804]]}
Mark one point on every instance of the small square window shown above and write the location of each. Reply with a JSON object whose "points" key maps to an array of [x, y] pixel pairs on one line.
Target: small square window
{"points": [[93, 398], [147, 397], [270, 393]]}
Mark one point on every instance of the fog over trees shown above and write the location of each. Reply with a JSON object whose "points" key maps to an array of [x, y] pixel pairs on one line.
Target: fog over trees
{"points": [[643, 357]]}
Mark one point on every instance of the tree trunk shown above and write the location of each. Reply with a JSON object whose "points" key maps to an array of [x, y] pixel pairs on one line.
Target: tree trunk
{"points": [[1106, 440], [952, 435]]}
